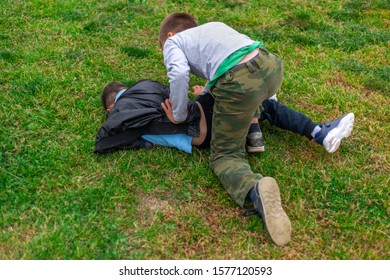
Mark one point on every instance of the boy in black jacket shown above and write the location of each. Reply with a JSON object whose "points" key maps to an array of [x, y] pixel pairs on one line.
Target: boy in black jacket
{"points": [[141, 119]]}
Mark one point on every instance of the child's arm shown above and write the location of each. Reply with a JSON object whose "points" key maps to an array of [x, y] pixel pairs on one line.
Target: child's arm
{"points": [[179, 77]]}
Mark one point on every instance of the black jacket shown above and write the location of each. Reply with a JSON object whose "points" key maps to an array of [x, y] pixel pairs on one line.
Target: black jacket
{"points": [[137, 112]]}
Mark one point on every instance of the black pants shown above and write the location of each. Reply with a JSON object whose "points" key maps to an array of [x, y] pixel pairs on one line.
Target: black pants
{"points": [[286, 118], [276, 113]]}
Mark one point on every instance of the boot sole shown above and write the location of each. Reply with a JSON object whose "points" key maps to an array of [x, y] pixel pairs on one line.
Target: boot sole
{"points": [[254, 149], [275, 219]]}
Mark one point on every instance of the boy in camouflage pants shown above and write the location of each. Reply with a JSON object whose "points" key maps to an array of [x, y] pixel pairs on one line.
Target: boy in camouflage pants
{"points": [[241, 74]]}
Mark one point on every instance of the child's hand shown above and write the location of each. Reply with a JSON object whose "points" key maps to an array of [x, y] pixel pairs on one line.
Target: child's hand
{"points": [[197, 90], [167, 107]]}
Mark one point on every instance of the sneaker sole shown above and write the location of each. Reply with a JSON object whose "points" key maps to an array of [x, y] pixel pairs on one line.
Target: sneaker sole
{"points": [[254, 149], [275, 219], [333, 140]]}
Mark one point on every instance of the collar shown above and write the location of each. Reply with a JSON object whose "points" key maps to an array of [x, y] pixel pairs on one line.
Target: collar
{"points": [[119, 94]]}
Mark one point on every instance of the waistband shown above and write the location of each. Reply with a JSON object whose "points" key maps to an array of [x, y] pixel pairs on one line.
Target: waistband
{"points": [[251, 61]]}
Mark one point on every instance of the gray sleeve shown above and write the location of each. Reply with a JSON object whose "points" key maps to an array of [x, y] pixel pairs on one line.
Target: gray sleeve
{"points": [[206, 88], [179, 77]]}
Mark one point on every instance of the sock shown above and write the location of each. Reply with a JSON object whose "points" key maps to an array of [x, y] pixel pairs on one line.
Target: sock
{"points": [[255, 127], [315, 131]]}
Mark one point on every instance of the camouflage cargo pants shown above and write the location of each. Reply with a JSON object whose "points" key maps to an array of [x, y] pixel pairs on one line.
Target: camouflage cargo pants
{"points": [[238, 95]]}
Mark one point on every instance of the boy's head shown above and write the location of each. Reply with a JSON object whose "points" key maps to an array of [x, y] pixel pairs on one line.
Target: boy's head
{"points": [[175, 23], [109, 94]]}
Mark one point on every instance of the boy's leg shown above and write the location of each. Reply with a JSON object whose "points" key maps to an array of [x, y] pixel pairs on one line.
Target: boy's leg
{"points": [[233, 112], [328, 134], [238, 94], [286, 118]]}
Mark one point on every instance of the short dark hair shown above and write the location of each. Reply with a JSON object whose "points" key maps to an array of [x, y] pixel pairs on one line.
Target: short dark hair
{"points": [[175, 22], [110, 92]]}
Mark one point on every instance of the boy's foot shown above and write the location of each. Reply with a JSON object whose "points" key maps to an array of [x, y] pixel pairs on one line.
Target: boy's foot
{"points": [[254, 142], [267, 202], [332, 133]]}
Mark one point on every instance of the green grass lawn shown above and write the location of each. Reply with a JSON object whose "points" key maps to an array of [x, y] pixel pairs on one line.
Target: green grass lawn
{"points": [[60, 201]]}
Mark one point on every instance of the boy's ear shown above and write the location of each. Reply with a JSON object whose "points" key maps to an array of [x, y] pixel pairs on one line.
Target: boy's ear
{"points": [[109, 108], [170, 34]]}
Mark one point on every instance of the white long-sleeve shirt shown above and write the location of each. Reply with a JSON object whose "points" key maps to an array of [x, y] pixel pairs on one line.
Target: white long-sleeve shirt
{"points": [[200, 51]]}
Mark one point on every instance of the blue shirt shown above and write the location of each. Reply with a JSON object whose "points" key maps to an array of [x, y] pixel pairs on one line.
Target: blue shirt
{"points": [[183, 142]]}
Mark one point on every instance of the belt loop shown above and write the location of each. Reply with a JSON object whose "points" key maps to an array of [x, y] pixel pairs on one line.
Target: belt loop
{"points": [[255, 63], [228, 75], [264, 50], [250, 66]]}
